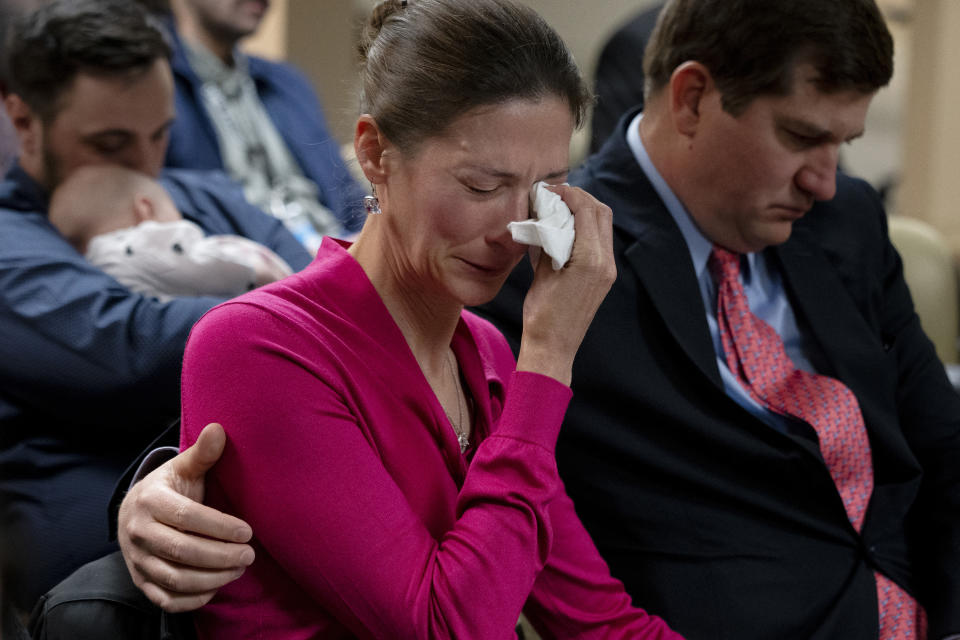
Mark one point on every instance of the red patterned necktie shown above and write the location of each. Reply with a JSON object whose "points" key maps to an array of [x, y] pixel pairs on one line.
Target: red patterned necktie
{"points": [[756, 355]]}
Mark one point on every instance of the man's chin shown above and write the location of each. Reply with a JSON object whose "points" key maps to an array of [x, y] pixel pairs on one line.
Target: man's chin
{"points": [[770, 235], [776, 235]]}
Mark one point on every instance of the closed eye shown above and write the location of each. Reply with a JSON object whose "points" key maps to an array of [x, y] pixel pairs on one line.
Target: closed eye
{"points": [[479, 190], [805, 140], [109, 143], [109, 146]]}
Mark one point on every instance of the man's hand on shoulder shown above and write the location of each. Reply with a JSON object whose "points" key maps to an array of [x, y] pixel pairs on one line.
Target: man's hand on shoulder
{"points": [[180, 552]]}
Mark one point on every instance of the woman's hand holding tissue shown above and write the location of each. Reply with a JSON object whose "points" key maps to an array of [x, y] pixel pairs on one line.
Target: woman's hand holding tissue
{"points": [[551, 228], [561, 303]]}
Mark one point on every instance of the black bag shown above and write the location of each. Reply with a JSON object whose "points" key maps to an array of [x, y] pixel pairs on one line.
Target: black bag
{"points": [[99, 601]]}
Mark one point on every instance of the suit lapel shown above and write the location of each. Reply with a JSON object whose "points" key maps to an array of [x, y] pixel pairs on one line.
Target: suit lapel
{"points": [[655, 251], [660, 260], [847, 342]]}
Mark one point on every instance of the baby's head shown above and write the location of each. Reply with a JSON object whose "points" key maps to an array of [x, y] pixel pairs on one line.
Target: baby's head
{"points": [[98, 199]]}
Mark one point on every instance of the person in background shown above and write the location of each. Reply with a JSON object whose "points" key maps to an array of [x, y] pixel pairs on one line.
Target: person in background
{"points": [[618, 79], [89, 369], [726, 502], [126, 224], [257, 120]]}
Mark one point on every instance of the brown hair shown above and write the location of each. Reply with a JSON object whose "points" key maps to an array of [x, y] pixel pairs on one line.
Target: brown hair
{"points": [[426, 62], [752, 47], [51, 45]]}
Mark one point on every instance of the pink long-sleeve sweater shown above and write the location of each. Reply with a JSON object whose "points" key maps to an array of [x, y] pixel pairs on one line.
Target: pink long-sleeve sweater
{"points": [[368, 520]]}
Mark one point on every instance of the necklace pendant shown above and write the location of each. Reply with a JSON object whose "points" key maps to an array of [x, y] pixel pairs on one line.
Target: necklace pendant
{"points": [[464, 443]]}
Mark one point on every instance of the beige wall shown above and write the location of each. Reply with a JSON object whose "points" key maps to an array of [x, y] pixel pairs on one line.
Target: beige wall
{"points": [[931, 129], [270, 40]]}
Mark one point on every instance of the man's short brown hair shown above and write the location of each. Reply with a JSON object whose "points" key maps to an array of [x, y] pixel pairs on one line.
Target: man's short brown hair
{"points": [[752, 47]]}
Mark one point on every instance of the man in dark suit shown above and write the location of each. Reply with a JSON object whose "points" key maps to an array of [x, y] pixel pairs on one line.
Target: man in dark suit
{"points": [[721, 511]]}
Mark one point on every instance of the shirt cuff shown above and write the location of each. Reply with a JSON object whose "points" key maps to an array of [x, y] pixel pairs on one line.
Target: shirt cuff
{"points": [[151, 461], [533, 409]]}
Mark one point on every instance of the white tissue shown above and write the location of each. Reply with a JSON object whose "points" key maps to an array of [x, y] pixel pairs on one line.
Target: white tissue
{"points": [[551, 229]]}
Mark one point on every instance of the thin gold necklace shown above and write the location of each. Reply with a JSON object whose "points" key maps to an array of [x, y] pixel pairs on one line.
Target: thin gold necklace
{"points": [[458, 425]]}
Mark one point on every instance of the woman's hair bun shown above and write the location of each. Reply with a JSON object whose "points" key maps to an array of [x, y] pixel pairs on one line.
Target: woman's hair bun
{"points": [[425, 63]]}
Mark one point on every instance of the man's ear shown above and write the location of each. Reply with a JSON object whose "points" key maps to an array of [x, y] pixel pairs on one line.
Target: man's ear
{"points": [[369, 144], [689, 83], [27, 125]]}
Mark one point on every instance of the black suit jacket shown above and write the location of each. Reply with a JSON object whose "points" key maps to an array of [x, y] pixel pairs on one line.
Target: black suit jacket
{"points": [[722, 525]]}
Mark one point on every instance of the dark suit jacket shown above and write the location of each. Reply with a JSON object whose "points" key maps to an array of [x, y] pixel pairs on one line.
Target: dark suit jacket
{"points": [[717, 522]]}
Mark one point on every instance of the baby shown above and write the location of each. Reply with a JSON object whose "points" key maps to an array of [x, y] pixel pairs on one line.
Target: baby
{"points": [[126, 224]]}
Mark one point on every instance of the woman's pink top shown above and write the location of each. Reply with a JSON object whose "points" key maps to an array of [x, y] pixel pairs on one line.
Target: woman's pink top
{"points": [[368, 521]]}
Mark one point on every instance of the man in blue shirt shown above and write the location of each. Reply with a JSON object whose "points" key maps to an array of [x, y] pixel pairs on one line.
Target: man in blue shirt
{"points": [[259, 121], [89, 371]]}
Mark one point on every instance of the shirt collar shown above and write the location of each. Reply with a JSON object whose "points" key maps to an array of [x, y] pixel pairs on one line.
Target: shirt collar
{"points": [[210, 68], [18, 190], [697, 243]]}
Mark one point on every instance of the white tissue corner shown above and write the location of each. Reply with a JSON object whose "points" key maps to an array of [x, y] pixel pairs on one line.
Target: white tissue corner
{"points": [[551, 229]]}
